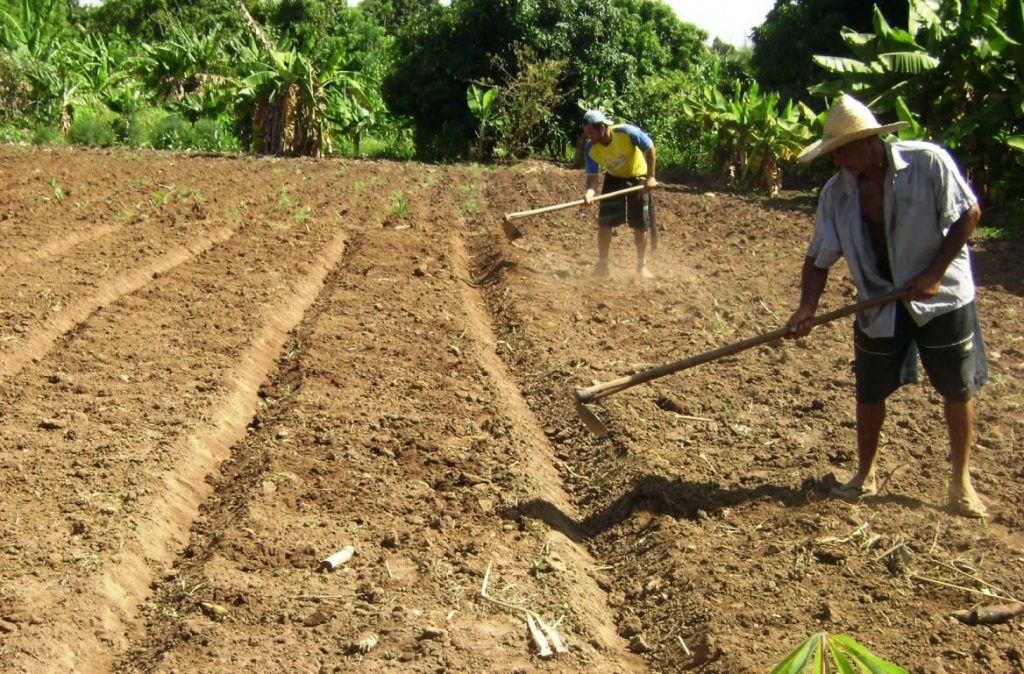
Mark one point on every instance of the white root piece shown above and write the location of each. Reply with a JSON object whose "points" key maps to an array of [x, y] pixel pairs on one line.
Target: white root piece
{"points": [[552, 634], [365, 643], [338, 558], [539, 640], [540, 632], [686, 649]]}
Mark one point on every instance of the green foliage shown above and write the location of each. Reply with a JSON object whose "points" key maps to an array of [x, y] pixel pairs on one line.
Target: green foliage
{"points": [[481, 103], [793, 32], [954, 74], [93, 126], [93, 131], [526, 121], [34, 28], [751, 135], [211, 135], [15, 89], [173, 132], [47, 135], [839, 653], [148, 21], [13, 134], [608, 47]]}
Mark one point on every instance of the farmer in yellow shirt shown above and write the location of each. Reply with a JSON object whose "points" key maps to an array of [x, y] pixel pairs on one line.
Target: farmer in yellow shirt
{"points": [[627, 156]]}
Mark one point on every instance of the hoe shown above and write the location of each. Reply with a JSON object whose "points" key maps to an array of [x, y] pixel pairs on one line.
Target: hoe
{"points": [[513, 232], [598, 391]]}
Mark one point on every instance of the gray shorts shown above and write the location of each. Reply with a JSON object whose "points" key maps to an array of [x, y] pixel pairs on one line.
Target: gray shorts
{"points": [[635, 208], [951, 350]]}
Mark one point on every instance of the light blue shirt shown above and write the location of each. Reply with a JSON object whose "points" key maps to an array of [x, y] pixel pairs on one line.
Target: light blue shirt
{"points": [[924, 195]]}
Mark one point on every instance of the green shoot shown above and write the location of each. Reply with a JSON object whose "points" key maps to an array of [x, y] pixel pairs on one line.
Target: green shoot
{"points": [[834, 654], [58, 193]]}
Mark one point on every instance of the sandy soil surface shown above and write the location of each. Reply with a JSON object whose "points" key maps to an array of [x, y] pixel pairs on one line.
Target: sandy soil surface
{"points": [[216, 372]]}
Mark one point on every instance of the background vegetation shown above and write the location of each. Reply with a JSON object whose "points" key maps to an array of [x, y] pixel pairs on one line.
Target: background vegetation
{"points": [[506, 79]]}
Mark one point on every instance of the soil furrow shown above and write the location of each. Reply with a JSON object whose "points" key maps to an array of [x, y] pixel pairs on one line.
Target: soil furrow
{"points": [[567, 537], [124, 530], [42, 335]]}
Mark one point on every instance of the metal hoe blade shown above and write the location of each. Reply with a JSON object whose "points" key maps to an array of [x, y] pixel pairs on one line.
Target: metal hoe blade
{"points": [[511, 231], [590, 420]]}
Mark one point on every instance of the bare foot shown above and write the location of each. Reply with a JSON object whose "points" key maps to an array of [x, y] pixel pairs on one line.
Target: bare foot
{"points": [[855, 489], [600, 270], [644, 272], [965, 503]]}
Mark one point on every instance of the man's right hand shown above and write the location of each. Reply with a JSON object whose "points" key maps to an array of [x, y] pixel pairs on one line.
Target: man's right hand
{"points": [[799, 323], [588, 196]]}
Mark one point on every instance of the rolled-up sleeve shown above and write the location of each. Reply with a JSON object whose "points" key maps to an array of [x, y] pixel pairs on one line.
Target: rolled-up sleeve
{"points": [[953, 196], [824, 247]]}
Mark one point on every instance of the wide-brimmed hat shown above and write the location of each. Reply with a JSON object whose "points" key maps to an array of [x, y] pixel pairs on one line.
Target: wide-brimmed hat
{"points": [[847, 121], [596, 117]]}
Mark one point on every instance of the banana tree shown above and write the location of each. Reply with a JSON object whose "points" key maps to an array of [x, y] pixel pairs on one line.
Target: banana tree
{"points": [[103, 65], [481, 103], [752, 137], [294, 105], [953, 73], [59, 87], [34, 29], [176, 66]]}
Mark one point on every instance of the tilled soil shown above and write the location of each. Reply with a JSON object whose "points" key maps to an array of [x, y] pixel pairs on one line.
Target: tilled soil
{"points": [[218, 371]]}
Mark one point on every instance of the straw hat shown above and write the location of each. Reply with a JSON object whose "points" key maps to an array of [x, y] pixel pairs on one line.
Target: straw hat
{"points": [[847, 121]]}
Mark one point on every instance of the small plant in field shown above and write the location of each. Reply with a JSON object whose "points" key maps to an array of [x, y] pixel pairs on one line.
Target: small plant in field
{"points": [[188, 192], [58, 193], [160, 197], [301, 215], [401, 207], [283, 198], [834, 653]]}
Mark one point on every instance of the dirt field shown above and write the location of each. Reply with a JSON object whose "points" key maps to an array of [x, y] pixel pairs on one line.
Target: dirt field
{"points": [[216, 372]]}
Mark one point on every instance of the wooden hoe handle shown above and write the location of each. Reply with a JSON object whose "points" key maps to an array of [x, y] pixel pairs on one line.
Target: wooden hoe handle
{"points": [[597, 391], [570, 204]]}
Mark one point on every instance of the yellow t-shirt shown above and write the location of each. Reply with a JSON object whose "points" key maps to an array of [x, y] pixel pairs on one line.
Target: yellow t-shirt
{"points": [[623, 157]]}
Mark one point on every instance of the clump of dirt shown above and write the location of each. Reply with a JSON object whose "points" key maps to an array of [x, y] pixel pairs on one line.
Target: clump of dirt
{"points": [[219, 371]]}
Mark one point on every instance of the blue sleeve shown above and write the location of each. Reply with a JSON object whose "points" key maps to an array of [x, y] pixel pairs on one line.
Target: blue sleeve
{"points": [[638, 136], [589, 165]]}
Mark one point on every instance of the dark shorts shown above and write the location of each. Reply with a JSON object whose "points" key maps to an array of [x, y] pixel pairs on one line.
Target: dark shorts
{"points": [[635, 208], [950, 347]]}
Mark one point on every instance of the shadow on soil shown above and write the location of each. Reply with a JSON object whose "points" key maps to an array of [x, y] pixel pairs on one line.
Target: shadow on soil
{"points": [[687, 500]]}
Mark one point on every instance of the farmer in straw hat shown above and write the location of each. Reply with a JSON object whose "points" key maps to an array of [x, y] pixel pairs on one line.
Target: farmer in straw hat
{"points": [[900, 213], [627, 155]]}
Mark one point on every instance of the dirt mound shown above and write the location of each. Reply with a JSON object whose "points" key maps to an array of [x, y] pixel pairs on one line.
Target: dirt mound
{"points": [[219, 371]]}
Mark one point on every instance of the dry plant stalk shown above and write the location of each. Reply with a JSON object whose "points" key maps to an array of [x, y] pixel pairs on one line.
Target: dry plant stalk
{"points": [[544, 636]]}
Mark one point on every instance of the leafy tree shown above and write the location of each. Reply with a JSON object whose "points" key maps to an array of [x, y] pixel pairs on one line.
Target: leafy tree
{"points": [[954, 74], [154, 20], [796, 30], [526, 104], [609, 47], [392, 15]]}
